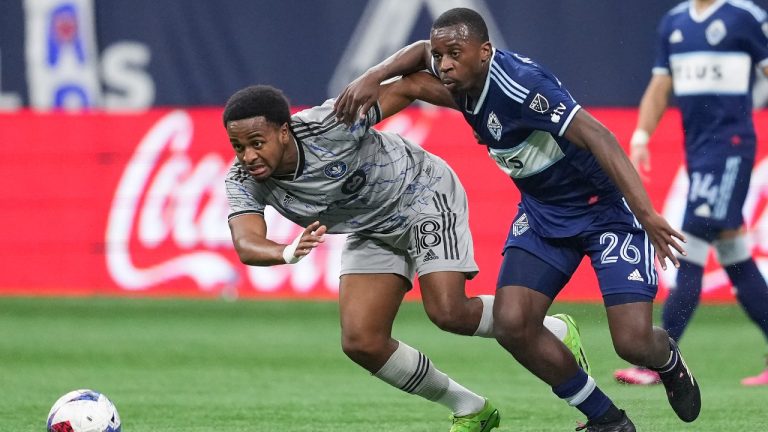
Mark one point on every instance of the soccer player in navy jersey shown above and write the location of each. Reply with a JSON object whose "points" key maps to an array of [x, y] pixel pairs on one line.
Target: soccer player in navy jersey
{"points": [[580, 196], [405, 212], [707, 50]]}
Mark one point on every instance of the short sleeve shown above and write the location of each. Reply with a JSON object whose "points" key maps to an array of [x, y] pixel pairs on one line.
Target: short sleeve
{"points": [[661, 59], [372, 117], [757, 39], [322, 120], [240, 197], [548, 107]]}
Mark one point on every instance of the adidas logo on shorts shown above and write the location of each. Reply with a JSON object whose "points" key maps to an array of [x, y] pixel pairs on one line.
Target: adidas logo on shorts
{"points": [[430, 255], [635, 276]]}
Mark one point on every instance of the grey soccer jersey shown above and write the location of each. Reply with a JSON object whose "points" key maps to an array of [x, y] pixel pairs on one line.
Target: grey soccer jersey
{"points": [[351, 179]]}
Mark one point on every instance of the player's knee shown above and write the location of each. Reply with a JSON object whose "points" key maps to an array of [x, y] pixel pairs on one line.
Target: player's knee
{"points": [[511, 327], [697, 250], [635, 348], [732, 250], [452, 316], [630, 354], [361, 347], [444, 321]]}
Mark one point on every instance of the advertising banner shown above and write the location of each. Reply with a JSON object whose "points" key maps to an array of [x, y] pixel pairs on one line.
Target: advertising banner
{"points": [[140, 54], [134, 204], [61, 54]]}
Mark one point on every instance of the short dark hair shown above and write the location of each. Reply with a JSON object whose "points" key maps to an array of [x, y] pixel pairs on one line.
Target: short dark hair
{"points": [[456, 16], [256, 101]]}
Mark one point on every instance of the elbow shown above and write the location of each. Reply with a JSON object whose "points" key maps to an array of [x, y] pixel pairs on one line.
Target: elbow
{"points": [[244, 258], [252, 261], [247, 256]]}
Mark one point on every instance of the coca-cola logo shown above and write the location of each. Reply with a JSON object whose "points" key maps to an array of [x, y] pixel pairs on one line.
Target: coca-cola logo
{"points": [[154, 202], [169, 213], [168, 219]]}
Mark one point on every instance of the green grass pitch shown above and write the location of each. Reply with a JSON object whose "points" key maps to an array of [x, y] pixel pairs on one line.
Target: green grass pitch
{"points": [[195, 365]]}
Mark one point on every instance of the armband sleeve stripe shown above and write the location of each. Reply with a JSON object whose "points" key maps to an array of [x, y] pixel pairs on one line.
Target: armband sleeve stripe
{"points": [[242, 212]]}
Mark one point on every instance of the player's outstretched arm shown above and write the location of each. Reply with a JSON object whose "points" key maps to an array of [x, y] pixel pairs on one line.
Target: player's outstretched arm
{"points": [[249, 235], [588, 133], [395, 95], [360, 95], [652, 107]]}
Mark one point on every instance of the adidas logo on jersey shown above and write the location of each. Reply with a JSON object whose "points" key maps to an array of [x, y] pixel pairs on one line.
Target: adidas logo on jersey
{"points": [[635, 276], [430, 255], [676, 36]]}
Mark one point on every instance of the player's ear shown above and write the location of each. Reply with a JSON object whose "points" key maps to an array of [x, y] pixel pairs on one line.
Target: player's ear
{"points": [[285, 133], [486, 50]]}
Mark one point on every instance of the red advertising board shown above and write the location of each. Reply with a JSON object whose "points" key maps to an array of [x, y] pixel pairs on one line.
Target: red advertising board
{"points": [[134, 204]]}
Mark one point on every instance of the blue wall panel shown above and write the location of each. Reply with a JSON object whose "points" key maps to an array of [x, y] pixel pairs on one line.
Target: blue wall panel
{"points": [[200, 51]]}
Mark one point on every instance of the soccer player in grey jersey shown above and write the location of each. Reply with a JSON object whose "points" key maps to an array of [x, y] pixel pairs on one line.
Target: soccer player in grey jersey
{"points": [[377, 187], [404, 210]]}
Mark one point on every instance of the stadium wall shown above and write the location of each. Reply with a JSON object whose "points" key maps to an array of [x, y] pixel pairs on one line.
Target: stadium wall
{"points": [[138, 54], [133, 204], [112, 154]]}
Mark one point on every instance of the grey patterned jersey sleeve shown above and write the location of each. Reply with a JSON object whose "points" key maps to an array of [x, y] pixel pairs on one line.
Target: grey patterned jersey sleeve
{"points": [[324, 116], [372, 117], [241, 194]]}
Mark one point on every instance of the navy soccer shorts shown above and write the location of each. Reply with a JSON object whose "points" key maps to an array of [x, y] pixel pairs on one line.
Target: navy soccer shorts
{"points": [[716, 196], [621, 254]]}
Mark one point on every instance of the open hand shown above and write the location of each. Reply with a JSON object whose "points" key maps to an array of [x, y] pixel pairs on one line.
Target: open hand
{"points": [[303, 244], [664, 239], [356, 99]]}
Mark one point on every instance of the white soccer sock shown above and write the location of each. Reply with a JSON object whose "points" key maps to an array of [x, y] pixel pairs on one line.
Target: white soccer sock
{"points": [[411, 371], [485, 328], [558, 327]]}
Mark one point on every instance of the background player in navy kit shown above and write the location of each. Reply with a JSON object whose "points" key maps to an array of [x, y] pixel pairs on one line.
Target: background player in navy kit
{"points": [[404, 209], [575, 183], [707, 50]]}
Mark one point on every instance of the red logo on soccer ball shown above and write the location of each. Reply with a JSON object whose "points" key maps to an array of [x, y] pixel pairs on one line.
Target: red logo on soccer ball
{"points": [[62, 427]]}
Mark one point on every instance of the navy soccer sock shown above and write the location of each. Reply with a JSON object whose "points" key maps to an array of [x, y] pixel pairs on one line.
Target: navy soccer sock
{"points": [[669, 366], [751, 291], [582, 392], [683, 300]]}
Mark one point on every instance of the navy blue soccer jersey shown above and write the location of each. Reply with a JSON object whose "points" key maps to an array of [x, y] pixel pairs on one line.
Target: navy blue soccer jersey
{"points": [[711, 57], [521, 116]]}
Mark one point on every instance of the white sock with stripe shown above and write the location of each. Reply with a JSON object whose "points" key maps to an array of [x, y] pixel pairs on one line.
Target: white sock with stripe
{"points": [[411, 371]]}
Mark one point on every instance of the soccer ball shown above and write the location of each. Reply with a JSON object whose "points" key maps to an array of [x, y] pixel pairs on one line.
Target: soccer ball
{"points": [[83, 411]]}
